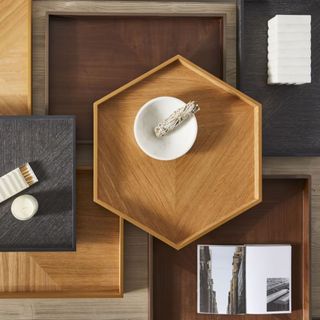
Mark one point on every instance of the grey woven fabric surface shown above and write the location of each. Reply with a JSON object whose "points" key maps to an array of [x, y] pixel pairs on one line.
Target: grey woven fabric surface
{"points": [[47, 143]]}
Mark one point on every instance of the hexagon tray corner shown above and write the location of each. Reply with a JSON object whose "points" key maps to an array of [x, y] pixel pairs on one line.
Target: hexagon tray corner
{"points": [[179, 201]]}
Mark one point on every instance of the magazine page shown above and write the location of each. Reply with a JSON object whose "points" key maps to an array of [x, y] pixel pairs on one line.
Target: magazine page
{"points": [[268, 279], [221, 279]]}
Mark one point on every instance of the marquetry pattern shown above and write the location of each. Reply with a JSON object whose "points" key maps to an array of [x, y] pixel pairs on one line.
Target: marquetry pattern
{"points": [[178, 201]]}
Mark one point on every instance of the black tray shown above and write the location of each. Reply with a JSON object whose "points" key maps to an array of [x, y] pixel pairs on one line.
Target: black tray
{"points": [[291, 114], [48, 144]]}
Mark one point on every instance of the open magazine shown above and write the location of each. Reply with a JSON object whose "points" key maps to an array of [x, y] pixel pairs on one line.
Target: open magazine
{"points": [[248, 279]]}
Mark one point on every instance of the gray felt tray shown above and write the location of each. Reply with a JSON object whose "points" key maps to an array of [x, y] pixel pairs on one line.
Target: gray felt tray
{"points": [[48, 144]]}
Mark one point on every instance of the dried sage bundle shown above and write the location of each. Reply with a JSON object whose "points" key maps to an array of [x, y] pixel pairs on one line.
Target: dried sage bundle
{"points": [[176, 118]]}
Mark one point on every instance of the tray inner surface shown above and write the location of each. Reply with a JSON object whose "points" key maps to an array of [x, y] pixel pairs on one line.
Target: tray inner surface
{"points": [[90, 56], [282, 217], [92, 271]]}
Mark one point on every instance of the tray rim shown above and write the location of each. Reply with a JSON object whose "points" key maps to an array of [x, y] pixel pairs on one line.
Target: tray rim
{"points": [[71, 118], [306, 246], [257, 148], [71, 294]]}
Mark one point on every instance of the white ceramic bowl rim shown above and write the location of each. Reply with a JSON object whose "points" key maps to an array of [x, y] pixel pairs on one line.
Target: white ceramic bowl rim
{"points": [[190, 130]]}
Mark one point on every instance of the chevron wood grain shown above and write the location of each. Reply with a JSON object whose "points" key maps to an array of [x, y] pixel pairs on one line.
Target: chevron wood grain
{"points": [[178, 201], [15, 57], [94, 270]]}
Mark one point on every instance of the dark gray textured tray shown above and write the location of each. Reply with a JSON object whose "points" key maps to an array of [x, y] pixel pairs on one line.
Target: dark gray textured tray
{"points": [[48, 144], [291, 114]]}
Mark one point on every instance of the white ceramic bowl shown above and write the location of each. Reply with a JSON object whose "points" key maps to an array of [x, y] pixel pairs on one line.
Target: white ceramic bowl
{"points": [[172, 146]]}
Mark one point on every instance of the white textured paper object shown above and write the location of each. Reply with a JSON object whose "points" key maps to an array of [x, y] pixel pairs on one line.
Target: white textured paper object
{"points": [[289, 49], [16, 181]]}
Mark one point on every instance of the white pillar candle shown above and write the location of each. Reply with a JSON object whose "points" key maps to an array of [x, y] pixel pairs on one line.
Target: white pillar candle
{"points": [[24, 207]]}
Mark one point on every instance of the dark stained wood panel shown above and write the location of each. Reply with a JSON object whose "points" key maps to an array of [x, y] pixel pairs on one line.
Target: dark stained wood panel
{"points": [[290, 113], [90, 56], [282, 218]]}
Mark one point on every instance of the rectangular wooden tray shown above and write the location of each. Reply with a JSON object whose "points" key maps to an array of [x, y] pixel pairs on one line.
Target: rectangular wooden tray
{"points": [[95, 270], [90, 56], [282, 217], [291, 112], [15, 57]]}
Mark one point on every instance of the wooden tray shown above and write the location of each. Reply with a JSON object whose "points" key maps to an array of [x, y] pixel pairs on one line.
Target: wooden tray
{"points": [[282, 217], [94, 270], [15, 57], [90, 56], [179, 201], [290, 113]]}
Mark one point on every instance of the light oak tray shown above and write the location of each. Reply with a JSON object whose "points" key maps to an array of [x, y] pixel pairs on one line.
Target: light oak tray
{"points": [[94, 270], [15, 57], [179, 201], [283, 217]]}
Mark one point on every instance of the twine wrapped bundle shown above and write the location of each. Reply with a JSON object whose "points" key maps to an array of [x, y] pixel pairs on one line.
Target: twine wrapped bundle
{"points": [[176, 119]]}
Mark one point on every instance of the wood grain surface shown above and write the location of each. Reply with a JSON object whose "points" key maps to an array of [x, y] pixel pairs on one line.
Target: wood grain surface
{"points": [[134, 305], [94, 270], [290, 112], [283, 217], [41, 8], [90, 56], [15, 57], [178, 201], [48, 144], [308, 166]]}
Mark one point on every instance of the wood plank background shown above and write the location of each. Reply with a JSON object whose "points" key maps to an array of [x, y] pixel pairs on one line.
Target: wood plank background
{"points": [[136, 299]]}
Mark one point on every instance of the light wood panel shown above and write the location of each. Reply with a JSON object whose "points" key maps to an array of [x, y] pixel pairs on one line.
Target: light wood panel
{"points": [[94, 270], [15, 57], [133, 305], [179, 201]]}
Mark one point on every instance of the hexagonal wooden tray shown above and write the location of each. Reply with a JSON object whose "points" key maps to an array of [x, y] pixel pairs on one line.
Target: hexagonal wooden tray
{"points": [[93, 271], [179, 201]]}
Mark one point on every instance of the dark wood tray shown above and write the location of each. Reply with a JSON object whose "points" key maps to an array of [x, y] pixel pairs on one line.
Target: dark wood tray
{"points": [[282, 217], [90, 56], [291, 113]]}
